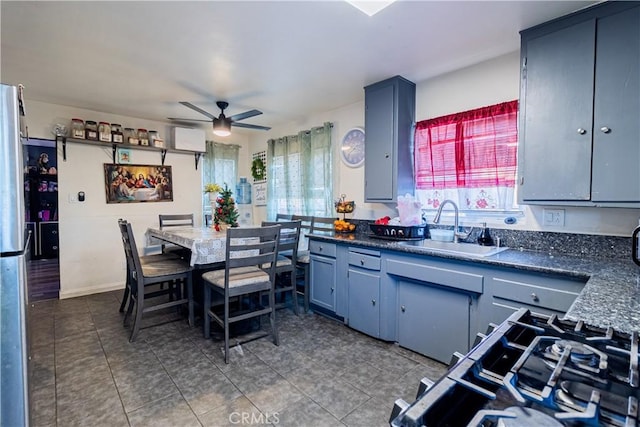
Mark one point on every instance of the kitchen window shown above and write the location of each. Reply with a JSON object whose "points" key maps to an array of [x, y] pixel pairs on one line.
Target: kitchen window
{"points": [[470, 158], [219, 166], [299, 176]]}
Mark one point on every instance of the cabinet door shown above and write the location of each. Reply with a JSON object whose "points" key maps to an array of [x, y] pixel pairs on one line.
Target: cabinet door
{"points": [[556, 133], [379, 157], [616, 138], [323, 282], [49, 240], [364, 301], [432, 320]]}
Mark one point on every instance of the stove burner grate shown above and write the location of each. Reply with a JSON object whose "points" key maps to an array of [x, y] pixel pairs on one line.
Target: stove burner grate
{"points": [[580, 354]]}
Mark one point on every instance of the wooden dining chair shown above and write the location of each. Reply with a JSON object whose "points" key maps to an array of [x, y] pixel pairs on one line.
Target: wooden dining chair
{"points": [[176, 220], [302, 260], [144, 276], [250, 261], [144, 259], [286, 261]]}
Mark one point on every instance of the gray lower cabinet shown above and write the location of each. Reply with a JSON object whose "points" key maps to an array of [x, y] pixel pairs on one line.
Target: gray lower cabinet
{"points": [[579, 133], [323, 277], [507, 291], [433, 320], [431, 305], [437, 304], [364, 301]]}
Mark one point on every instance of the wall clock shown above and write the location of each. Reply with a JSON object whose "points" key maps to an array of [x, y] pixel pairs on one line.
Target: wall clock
{"points": [[352, 147]]}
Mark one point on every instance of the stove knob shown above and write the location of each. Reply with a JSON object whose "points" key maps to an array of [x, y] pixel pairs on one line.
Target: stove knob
{"points": [[535, 297]]}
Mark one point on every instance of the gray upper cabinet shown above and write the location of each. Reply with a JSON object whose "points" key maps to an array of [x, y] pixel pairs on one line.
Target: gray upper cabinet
{"points": [[389, 120], [616, 137], [580, 103]]}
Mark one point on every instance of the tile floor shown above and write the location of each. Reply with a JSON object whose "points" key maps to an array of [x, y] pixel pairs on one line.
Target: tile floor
{"points": [[86, 373]]}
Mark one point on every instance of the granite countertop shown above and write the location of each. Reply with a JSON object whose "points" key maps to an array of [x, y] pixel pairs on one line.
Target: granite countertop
{"points": [[610, 298]]}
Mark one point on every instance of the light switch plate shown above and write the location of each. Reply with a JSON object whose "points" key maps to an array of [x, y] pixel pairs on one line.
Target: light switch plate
{"points": [[553, 217]]}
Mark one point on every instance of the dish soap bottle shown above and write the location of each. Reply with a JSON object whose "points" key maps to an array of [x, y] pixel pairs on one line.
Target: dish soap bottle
{"points": [[485, 238]]}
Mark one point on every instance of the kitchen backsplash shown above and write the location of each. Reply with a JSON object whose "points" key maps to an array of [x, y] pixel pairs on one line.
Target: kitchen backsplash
{"points": [[589, 245]]}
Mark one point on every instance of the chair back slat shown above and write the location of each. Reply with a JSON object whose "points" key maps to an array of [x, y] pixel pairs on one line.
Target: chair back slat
{"points": [[283, 217], [175, 220], [254, 246], [289, 237], [322, 224], [134, 265], [306, 221]]}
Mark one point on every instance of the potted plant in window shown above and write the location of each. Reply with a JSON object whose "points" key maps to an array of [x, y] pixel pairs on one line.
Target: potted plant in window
{"points": [[212, 190]]}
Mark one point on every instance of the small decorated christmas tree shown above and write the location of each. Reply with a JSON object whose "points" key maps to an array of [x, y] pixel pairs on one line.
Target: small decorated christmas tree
{"points": [[225, 212]]}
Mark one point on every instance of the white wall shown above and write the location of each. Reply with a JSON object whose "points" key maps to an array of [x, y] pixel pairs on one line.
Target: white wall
{"points": [[91, 253], [487, 83]]}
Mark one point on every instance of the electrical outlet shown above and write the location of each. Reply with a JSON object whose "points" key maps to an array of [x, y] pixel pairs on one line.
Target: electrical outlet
{"points": [[553, 217]]}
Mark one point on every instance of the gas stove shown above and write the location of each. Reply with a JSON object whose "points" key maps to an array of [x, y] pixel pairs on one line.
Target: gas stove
{"points": [[534, 370]]}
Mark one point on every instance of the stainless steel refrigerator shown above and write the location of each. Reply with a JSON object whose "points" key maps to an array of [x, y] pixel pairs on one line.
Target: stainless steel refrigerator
{"points": [[14, 387]]}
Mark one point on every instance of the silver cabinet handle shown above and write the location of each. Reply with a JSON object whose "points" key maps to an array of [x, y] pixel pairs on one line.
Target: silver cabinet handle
{"points": [[386, 155], [582, 131], [605, 129], [332, 289], [373, 302], [361, 262], [534, 297], [320, 248], [403, 308]]}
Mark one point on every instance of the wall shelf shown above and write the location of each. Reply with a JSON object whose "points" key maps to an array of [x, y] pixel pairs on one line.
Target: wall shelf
{"points": [[114, 148]]}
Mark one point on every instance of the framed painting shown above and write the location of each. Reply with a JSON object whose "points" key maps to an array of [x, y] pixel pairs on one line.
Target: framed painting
{"points": [[138, 183], [124, 156]]}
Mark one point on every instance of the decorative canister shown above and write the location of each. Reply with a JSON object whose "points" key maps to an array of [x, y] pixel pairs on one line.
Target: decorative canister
{"points": [[143, 136], [91, 130], [116, 133], [77, 128], [104, 132], [130, 136]]}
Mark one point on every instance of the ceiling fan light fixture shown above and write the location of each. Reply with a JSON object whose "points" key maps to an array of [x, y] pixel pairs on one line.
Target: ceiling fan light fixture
{"points": [[221, 127]]}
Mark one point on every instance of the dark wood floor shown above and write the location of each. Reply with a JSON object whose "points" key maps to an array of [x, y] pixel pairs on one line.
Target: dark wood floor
{"points": [[43, 279]]}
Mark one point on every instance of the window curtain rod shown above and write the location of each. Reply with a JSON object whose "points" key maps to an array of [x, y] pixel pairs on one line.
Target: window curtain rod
{"points": [[222, 144], [306, 132]]}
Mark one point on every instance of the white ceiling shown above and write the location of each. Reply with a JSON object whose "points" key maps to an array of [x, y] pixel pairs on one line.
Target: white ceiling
{"points": [[288, 59]]}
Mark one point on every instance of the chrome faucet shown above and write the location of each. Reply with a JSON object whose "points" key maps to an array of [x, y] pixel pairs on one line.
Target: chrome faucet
{"points": [[456, 234]]}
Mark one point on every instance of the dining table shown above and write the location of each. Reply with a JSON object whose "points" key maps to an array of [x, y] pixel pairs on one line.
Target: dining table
{"points": [[207, 246]]}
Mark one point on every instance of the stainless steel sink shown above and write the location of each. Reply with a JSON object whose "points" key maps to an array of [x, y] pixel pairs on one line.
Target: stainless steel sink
{"points": [[469, 249]]}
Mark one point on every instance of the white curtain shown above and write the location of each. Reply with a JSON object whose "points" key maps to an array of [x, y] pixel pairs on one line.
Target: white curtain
{"points": [[219, 166], [299, 178]]}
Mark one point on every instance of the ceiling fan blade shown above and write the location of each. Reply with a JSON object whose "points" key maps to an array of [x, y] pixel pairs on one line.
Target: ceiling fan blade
{"points": [[187, 120], [245, 115], [248, 126], [198, 109]]}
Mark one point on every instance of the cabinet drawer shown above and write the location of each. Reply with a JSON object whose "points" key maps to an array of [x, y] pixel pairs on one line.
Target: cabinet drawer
{"points": [[368, 262], [437, 274], [533, 294], [322, 248]]}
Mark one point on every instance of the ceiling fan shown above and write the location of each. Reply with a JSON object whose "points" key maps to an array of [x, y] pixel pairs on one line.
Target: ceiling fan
{"points": [[222, 124]]}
